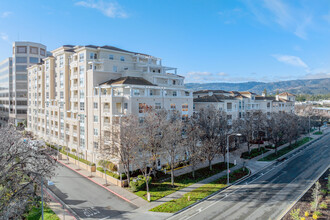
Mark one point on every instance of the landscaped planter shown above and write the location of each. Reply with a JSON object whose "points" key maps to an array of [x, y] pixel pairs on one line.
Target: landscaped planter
{"points": [[81, 164], [111, 179]]}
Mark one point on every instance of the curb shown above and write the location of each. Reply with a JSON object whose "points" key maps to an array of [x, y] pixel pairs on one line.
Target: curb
{"points": [[61, 203], [127, 200], [295, 202]]}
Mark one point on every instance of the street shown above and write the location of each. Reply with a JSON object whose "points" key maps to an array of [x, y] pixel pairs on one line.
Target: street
{"points": [[268, 193], [85, 198]]}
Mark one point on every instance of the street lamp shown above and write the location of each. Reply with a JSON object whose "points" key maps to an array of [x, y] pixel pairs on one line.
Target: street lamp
{"points": [[309, 131], [237, 135]]}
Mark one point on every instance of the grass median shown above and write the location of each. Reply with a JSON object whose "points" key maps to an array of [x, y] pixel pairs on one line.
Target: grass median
{"points": [[285, 150], [159, 190], [35, 213], [200, 193]]}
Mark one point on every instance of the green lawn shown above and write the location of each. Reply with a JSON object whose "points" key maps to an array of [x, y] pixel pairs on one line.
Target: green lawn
{"points": [[35, 214], [199, 193], [159, 190], [285, 150], [254, 153], [318, 133]]}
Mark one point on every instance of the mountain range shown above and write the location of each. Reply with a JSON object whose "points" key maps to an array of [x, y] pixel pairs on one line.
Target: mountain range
{"points": [[306, 86]]}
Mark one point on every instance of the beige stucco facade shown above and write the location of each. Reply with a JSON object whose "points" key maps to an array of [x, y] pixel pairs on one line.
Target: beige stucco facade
{"points": [[79, 92]]}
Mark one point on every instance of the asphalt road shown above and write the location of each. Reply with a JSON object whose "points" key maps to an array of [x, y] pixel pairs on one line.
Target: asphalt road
{"points": [[85, 198], [267, 194]]}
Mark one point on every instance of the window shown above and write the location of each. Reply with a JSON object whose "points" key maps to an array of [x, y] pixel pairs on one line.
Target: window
{"points": [[158, 106], [92, 56], [21, 77], [21, 49], [125, 105], [42, 52], [111, 56], [174, 93], [96, 132], [136, 92], [141, 107], [34, 50], [82, 94], [82, 106], [122, 58], [81, 75], [82, 142], [172, 106], [81, 57], [185, 107], [96, 118], [96, 91], [21, 60], [61, 95], [96, 145], [95, 105], [34, 60], [21, 68], [61, 60], [115, 69]]}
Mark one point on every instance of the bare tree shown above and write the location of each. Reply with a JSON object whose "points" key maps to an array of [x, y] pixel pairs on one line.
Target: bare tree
{"points": [[125, 142], [259, 123], [277, 125], [193, 143], [293, 130], [23, 163], [245, 126], [154, 124], [209, 120], [173, 142]]}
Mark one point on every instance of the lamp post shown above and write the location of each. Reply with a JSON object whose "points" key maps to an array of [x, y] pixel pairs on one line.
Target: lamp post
{"points": [[309, 130], [228, 136]]}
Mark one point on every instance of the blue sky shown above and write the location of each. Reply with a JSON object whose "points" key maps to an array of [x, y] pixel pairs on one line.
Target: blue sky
{"points": [[207, 40]]}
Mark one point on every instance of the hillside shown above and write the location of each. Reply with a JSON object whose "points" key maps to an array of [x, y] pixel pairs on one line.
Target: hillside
{"points": [[309, 86]]}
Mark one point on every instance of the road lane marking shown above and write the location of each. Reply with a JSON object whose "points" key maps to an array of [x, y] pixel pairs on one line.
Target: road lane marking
{"points": [[254, 179]]}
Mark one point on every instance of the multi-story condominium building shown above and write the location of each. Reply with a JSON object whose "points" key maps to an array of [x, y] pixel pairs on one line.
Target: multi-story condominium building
{"points": [[5, 75], [77, 94], [237, 104], [13, 80]]}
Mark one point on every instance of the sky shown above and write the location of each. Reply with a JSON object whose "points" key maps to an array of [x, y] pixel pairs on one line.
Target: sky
{"points": [[207, 40]]}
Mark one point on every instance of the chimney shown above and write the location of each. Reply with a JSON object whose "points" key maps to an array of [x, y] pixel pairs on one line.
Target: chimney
{"points": [[277, 97]]}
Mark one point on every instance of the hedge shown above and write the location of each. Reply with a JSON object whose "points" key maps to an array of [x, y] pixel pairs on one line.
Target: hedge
{"points": [[114, 175], [139, 183]]}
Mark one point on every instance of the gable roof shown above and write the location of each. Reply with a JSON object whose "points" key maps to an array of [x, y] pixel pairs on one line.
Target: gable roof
{"points": [[286, 94], [128, 80], [207, 91]]}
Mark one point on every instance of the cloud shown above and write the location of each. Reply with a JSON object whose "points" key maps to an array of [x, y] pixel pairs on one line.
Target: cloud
{"points": [[208, 77], [291, 60], [5, 14], [319, 75], [4, 36], [294, 19], [109, 9], [222, 74]]}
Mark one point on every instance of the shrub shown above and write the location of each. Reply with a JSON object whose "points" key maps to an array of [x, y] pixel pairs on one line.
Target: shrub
{"points": [[306, 213], [254, 152], [317, 213], [323, 205], [302, 218], [109, 165], [315, 216], [139, 183], [295, 214]]}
